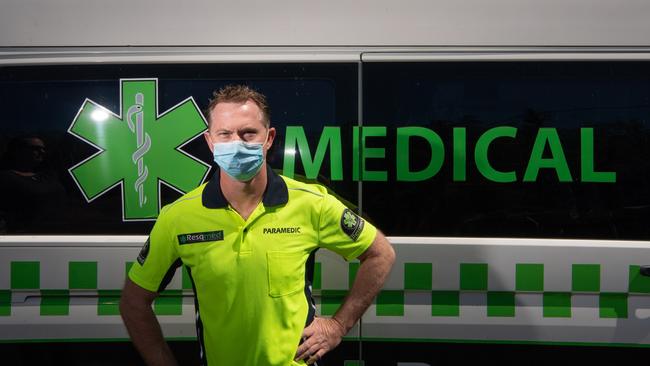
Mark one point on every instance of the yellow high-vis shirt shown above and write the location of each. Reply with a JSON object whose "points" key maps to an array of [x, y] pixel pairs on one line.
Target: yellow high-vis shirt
{"points": [[252, 278]]}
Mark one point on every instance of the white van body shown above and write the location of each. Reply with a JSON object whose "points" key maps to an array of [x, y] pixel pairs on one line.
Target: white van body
{"points": [[201, 32]]}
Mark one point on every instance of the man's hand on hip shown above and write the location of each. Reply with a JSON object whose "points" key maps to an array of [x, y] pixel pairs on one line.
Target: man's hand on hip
{"points": [[321, 336]]}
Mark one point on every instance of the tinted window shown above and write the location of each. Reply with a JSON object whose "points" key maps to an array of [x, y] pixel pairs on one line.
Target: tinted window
{"points": [[39, 105], [570, 159]]}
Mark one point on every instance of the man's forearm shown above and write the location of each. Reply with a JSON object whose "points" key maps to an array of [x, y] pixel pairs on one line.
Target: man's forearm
{"points": [[369, 280], [145, 332]]}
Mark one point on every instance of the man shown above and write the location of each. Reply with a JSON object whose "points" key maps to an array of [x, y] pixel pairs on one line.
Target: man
{"points": [[31, 196], [248, 239]]}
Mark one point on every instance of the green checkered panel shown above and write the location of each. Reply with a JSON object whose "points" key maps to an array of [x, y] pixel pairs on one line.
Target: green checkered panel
{"points": [[418, 277], [25, 276], [557, 305], [55, 302], [317, 285], [585, 278], [82, 275], [501, 304], [473, 276], [638, 283], [108, 302], [390, 303], [529, 279], [169, 302], [613, 305], [445, 303], [5, 302]]}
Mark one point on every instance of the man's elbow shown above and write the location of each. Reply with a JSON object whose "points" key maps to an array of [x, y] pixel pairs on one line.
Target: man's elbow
{"points": [[390, 256], [389, 253], [380, 253], [383, 251]]}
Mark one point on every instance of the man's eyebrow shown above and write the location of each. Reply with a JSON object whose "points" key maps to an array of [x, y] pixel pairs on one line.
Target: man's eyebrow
{"points": [[248, 129]]}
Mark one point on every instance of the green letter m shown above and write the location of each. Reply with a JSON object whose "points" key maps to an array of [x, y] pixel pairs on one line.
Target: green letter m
{"points": [[331, 137]]}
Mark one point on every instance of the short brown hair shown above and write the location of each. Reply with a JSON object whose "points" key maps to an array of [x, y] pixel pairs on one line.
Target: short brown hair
{"points": [[240, 94]]}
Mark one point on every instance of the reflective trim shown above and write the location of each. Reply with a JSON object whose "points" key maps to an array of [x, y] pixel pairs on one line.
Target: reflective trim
{"points": [[199, 323], [309, 280]]}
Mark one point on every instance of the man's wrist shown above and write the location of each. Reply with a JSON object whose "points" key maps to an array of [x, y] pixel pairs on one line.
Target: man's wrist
{"points": [[342, 325]]}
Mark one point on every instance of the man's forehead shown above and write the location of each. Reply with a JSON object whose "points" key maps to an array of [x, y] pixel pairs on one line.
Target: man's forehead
{"points": [[35, 141], [230, 108], [233, 114]]}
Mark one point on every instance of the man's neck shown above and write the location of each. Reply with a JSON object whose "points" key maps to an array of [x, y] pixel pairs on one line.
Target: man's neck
{"points": [[244, 196]]}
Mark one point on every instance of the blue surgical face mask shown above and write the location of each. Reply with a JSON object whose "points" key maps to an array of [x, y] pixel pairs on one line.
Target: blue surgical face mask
{"points": [[240, 160]]}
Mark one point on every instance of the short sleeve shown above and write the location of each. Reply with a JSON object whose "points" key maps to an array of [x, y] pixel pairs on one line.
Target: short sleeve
{"points": [[157, 258], [342, 231]]}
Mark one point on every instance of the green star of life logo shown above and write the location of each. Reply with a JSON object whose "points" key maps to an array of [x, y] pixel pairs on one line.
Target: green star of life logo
{"points": [[349, 219], [139, 149]]}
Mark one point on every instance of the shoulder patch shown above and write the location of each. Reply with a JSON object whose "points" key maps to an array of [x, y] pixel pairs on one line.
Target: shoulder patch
{"points": [[351, 224], [143, 252]]}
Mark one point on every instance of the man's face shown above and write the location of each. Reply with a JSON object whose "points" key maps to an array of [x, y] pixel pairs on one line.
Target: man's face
{"points": [[31, 155], [37, 149], [238, 121]]}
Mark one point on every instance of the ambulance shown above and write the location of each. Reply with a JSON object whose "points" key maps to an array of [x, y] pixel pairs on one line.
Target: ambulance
{"points": [[503, 147]]}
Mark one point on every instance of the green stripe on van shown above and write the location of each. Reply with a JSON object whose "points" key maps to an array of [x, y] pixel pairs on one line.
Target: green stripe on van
{"points": [[417, 277]]}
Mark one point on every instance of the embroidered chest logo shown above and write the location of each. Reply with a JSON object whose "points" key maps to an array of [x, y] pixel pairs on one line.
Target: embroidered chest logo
{"points": [[351, 224], [200, 237], [281, 230]]}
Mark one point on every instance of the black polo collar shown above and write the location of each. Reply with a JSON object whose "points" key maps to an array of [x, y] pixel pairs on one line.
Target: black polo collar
{"points": [[275, 194]]}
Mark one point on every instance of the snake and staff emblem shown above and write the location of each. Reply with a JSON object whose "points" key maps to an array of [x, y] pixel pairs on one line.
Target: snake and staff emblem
{"points": [[143, 141]]}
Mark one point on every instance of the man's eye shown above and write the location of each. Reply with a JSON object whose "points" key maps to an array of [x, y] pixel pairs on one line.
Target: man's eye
{"points": [[249, 135]]}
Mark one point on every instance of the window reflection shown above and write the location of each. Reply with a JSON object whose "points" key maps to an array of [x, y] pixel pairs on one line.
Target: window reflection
{"points": [[563, 99]]}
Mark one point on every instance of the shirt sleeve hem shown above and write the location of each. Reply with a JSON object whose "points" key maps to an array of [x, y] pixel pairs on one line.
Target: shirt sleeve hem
{"points": [[147, 285], [363, 248]]}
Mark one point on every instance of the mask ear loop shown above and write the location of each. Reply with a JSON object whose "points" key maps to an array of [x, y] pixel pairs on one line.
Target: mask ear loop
{"points": [[266, 139]]}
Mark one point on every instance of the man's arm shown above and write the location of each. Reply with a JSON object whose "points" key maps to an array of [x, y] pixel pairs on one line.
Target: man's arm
{"points": [[323, 334], [143, 327]]}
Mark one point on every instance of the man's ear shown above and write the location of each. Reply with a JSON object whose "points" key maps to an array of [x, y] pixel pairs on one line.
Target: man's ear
{"points": [[270, 138]]}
